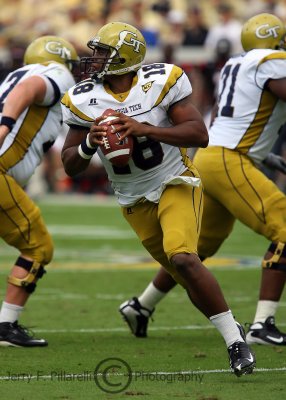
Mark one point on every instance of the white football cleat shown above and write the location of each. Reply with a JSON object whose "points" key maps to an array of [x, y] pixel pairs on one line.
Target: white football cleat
{"points": [[136, 316]]}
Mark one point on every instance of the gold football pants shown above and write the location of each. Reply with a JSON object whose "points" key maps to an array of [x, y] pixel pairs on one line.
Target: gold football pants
{"points": [[234, 188], [21, 223], [170, 227]]}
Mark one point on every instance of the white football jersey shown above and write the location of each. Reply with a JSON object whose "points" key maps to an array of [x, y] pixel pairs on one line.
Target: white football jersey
{"points": [[249, 116], [38, 126], [155, 88]]}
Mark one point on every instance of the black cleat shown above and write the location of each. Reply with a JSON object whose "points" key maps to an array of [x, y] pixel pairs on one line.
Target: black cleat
{"points": [[265, 333], [241, 357], [15, 335], [136, 316]]}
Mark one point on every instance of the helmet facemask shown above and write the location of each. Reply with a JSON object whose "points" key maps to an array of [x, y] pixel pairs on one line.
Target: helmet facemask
{"points": [[117, 49], [282, 44], [103, 55]]}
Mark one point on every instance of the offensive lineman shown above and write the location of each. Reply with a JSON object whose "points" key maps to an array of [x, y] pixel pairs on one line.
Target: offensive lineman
{"points": [[159, 191], [31, 119], [251, 108]]}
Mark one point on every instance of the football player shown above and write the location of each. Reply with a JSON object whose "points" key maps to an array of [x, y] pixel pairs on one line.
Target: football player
{"points": [[31, 119], [159, 191], [250, 110]]}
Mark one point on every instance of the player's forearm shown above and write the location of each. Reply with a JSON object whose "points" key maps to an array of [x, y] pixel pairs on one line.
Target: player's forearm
{"points": [[73, 163], [4, 130], [187, 134], [16, 102], [23, 96]]}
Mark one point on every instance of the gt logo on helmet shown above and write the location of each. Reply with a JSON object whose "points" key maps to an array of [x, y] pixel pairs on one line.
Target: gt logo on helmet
{"points": [[264, 31], [58, 49], [132, 42]]}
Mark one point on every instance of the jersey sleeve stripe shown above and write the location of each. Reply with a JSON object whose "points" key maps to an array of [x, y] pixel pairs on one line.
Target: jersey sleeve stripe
{"points": [[174, 76], [273, 56], [56, 90], [66, 101], [267, 103], [31, 125]]}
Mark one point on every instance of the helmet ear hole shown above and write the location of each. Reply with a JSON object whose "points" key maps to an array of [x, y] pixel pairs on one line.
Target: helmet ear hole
{"points": [[122, 60]]}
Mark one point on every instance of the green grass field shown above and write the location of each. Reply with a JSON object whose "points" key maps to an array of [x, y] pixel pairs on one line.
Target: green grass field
{"points": [[98, 264]]}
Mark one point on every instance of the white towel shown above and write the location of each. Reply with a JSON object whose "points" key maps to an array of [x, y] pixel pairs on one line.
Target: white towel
{"points": [[172, 180]]}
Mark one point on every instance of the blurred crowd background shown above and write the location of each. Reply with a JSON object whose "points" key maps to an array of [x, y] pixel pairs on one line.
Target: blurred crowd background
{"points": [[198, 36]]}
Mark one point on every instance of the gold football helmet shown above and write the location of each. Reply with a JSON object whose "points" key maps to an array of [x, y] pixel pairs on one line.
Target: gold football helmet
{"points": [[263, 31], [118, 48], [51, 48]]}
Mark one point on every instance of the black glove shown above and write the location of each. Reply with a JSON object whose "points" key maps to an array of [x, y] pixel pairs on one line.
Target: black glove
{"points": [[273, 161]]}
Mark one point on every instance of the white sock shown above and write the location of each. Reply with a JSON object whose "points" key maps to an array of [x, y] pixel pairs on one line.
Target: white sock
{"points": [[265, 309], [10, 312], [226, 325], [151, 296]]}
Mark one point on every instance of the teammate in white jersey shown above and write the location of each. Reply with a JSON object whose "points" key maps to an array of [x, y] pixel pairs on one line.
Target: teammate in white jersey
{"points": [[31, 119], [159, 190], [250, 110]]}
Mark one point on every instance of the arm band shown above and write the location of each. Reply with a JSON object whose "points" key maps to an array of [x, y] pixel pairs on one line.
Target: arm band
{"points": [[8, 121], [86, 150]]}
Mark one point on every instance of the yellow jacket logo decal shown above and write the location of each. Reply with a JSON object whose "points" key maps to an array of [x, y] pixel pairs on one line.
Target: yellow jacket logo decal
{"points": [[147, 86]]}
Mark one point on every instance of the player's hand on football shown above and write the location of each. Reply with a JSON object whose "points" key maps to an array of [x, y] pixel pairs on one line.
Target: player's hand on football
{"points": [[126, 126], [275, 161], [97, 132]]}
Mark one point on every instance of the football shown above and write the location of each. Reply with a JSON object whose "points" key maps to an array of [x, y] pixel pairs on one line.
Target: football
{"points": [[117, 151]]}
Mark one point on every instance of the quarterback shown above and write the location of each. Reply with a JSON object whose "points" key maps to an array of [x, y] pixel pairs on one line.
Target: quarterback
{"points": [[31, 119], [159, 190], [251, 108]]}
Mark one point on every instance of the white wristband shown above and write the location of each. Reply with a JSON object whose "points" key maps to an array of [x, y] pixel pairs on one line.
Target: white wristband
{"points": [[82, 154], [86, 150]]}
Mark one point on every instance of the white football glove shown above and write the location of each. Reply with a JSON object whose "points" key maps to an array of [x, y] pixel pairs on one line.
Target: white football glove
{"points": [[273, 161]]}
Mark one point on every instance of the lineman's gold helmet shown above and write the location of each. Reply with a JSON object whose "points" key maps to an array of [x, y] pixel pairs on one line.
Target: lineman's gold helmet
{"points": [[118, 48], [263, 31], [51, 48]]}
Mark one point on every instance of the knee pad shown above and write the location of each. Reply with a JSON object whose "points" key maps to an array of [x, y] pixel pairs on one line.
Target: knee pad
{"points": [[279, 251], [35, 271]]}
